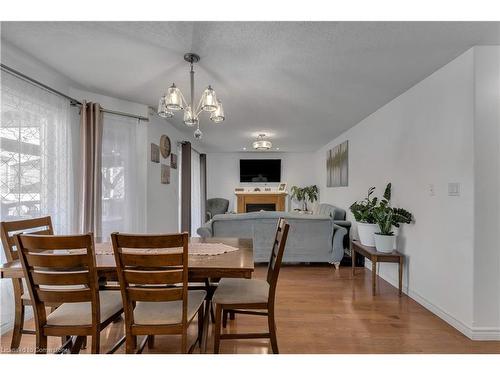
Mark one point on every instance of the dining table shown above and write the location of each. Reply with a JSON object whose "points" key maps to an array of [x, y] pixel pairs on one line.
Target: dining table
{"points": [[202, 268]]}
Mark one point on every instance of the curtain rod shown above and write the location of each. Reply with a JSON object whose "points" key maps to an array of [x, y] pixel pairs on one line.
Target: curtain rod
{"points": [[72, 101]]}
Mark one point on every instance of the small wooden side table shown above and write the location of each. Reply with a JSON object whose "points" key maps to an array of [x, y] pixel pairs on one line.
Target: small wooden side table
{"points": [[377, 257]]}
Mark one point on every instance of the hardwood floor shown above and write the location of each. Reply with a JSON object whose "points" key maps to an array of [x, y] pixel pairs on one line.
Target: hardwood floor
{"points": [[321, 310]]}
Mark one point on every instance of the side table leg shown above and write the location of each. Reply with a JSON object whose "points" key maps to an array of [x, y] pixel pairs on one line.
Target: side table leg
{"points": [[374, 275], [400, 276], [353, 260]]}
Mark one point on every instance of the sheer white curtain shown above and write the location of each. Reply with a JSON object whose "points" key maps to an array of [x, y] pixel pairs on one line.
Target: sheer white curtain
{"points": [[122, 182], [195, 192], [36, 166]]}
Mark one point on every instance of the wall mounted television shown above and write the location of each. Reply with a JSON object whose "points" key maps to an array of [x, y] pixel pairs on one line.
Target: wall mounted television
{"points": [[260, 170]]}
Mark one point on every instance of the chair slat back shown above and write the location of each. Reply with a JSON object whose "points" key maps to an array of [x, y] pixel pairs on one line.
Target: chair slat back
{"points": [[59, 269], [149, 272], [8, 230], [277, 251]]}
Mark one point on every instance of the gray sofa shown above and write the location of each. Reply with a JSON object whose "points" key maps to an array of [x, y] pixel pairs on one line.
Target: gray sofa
{"points": [[312, 238], [216, 206], [338, 215]]}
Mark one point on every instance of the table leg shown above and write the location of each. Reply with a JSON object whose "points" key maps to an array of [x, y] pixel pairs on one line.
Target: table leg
{"points": [[353, 259], [206, 322], [374, 275], [400, 276]]}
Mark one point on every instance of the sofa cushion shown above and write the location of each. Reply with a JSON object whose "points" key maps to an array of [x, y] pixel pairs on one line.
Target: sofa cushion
{"points": [[334, 212], [268, 215]]}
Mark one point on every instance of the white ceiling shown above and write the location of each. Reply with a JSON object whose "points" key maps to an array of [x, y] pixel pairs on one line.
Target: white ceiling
{"points": [[302, 82]]}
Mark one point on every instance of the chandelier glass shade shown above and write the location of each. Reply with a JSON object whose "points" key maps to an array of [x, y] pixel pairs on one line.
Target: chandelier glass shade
{"points": [[162, 109], [209, 100], [173, 100], [190, 119], [261, 143], [217, 116]]}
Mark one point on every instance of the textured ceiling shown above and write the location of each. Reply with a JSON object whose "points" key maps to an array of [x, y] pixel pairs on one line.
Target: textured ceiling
{"points": [[302, 82]]}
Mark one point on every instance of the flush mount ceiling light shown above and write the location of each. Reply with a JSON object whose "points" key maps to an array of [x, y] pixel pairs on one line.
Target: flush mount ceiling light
{"points": [[261, 143], [173, 100]]}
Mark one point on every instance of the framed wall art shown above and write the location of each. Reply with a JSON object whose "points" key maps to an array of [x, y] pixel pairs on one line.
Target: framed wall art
{"points": [[155, 153], [337, 165], [165, 174]]}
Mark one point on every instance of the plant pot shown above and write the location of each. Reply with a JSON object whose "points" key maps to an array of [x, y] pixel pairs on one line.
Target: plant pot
{"points": [[384, 243], [366, 233]]}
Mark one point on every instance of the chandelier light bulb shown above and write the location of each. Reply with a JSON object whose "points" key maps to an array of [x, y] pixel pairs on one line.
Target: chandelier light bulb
{"points": [[209, 100], [173, 99], [217, 116]]}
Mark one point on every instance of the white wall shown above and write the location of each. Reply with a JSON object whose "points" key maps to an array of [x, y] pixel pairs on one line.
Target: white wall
{"points": [[162, 199], [444, 129], [487, 190], [422, 138], [17, 59], [223, 171]]}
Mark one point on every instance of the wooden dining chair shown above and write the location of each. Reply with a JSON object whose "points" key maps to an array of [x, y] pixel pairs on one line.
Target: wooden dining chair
{"points": [[8, 230], [154, 285], [50, 262], [251, 296]]}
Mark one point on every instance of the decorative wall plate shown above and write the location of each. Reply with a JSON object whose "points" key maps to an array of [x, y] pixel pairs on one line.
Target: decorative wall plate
{"points": [[165, 147]]}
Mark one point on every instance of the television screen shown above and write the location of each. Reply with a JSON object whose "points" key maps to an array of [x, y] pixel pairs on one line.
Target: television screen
{"points": [[260, 170]]}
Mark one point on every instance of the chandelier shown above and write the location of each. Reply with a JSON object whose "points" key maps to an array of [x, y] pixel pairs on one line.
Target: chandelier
{"points": [[261, 143], [173, 100]]}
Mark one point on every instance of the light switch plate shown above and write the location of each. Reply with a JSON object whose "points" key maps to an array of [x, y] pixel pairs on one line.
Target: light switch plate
{"points": [[454, 189]]}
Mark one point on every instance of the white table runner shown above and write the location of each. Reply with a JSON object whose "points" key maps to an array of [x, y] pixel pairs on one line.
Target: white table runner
{"points": [[199, 249]]}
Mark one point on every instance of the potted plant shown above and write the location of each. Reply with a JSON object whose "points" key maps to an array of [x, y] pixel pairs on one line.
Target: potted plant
{"points": [[363, 214], [304, 194], [388, 217]]}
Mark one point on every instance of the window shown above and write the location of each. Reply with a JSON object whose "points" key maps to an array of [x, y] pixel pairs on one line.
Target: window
{"points": [[122, 186], [36, 176]]}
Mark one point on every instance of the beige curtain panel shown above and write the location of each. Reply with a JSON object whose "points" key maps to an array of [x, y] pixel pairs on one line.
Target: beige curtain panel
{"points": [[90, 191]]}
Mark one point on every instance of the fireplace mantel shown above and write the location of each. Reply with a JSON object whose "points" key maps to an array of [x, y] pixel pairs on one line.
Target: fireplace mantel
{"points": [[260, 197]]}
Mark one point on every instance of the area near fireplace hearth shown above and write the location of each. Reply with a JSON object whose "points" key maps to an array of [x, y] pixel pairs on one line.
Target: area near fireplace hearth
{"points": [[251, 201]]}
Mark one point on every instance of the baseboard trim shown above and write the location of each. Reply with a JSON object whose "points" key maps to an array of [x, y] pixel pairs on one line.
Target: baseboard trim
{"points": [[9, 325], [6, 327], [485, 334], [473, 333]]}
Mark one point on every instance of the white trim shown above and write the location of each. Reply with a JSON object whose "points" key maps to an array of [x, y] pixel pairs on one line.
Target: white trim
{"points": [[485, 334], [9, 325], [6, 327], [473, 333]]}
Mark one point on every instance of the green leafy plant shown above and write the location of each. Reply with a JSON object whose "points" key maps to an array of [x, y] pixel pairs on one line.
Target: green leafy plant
{"points": [[304, 194], [363, 210], [383, 217], [387, 217], [374, 211]]}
